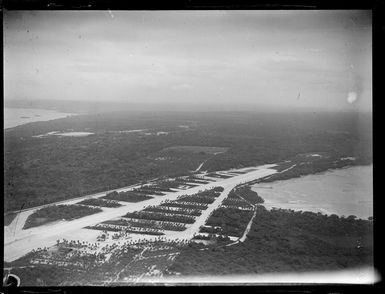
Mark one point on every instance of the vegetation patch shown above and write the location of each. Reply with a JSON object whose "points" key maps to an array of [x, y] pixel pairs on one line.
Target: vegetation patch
{"points": [[104, 228], [167, 209], [187, 205], [144, 232], [201, 198], [150, 224], [246, 193], [196, 180], [58, 212], [214, 192], [232, 221], [210, 229], [42, 276], [99, 202], [202, 237], [196, 199], [161, 217], [126, 196], [132, 230], [240, 172], [215, 175], [148, 190], [167, 185], [236, 203]]}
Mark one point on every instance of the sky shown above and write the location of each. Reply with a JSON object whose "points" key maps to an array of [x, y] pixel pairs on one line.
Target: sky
{"points": [[318, 59]]}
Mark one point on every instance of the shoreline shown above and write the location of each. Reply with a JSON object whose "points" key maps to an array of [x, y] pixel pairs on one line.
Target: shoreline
{"points": [[308, 193], [317, 173], [31, 115]]}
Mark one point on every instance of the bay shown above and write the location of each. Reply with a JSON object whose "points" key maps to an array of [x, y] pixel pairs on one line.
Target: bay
{"points": [[347, 191]]}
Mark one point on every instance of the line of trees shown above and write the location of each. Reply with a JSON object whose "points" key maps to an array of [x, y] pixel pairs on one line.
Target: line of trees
{"points": [[160, 217], [99, 202], [187, 205], [126, 196], [167, 209]]}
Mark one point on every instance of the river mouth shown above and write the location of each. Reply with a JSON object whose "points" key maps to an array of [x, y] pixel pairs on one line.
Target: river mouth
{"points": [[347, 191]]}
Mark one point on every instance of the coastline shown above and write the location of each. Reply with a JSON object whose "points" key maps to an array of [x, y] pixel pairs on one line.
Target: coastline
{"points": [[17, 116], [351, 194]]}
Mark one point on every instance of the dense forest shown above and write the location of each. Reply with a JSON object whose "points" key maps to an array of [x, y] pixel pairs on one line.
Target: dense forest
{"points": [[247, 194], [231, 220], [284, 241], [44, 170]]}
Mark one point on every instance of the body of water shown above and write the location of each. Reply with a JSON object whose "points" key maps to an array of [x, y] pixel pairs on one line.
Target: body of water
{"points": [[347, 191], [18, 116]]}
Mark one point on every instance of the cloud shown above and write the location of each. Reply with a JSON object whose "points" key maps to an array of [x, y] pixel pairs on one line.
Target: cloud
{"points": [[236, 56], [181, 87], [352, 97], [284, 58]]}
